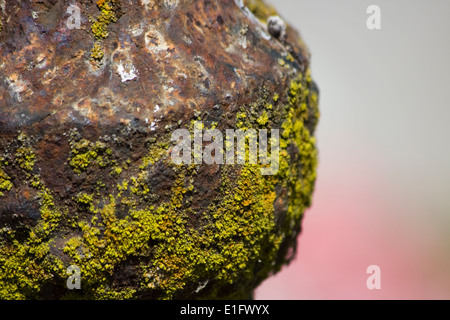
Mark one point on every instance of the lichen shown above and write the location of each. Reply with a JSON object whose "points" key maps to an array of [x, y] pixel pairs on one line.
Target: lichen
{"points": [[166, 241], [26, 266], [84, 153], [263, 119], [276, 97], [97, 52], [234, 243], [25, 158], [5, 182], [297, 174], [110, 11], [116, 171], [295, 132], [84, 199]]}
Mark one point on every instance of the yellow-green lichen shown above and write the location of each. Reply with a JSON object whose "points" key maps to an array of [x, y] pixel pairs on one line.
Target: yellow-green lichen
{"points": [[97, 52], [26, 266], [85, 153], [263, 119], [84, 199], [5, 180], [276, 97], [25, 158], [110, 11], [116, 171], [227, 248], [294, 132], [290, 58], [155, 153], [233, 243]]}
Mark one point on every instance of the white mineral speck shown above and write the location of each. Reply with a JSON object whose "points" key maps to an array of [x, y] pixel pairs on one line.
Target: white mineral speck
{"points": [[126, 71]]}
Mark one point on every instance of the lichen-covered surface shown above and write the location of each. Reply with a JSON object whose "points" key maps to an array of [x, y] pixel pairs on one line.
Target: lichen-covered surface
{"points": [[85, 122]]}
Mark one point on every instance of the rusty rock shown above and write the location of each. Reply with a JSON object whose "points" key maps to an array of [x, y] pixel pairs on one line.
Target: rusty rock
{"points": [[86, 117]]}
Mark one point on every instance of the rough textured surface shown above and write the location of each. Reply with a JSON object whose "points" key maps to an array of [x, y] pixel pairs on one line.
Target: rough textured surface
{"points": [[85, 122]]}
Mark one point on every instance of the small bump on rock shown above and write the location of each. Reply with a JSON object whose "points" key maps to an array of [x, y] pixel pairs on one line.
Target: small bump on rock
{"points": [[276, 27]]}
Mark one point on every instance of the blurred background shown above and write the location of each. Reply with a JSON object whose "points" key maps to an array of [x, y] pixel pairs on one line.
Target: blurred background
{"points": [[383, 190]]}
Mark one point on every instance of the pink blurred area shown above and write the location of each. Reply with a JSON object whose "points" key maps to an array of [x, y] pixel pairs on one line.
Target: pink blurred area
{"points": [[353, 224]]}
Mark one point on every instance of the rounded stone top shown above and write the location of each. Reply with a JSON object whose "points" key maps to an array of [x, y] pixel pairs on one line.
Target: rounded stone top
{"points": [[91, 93], [148, 61]]}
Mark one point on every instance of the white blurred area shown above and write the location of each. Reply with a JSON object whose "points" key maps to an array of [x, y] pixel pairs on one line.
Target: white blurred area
{"points": [[384, 144]]}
